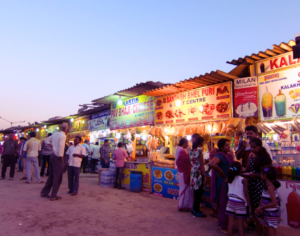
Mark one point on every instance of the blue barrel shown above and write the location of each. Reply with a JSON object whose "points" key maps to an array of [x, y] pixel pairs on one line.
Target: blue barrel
{"points": [[136, 181]]}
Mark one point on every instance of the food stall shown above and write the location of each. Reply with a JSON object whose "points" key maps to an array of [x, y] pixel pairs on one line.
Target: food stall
{"points": [[79, 127], [207, 111], [99, 125], [130, 123], [279, 93]]}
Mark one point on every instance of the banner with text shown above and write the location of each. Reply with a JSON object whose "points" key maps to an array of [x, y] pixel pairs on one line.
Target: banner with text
{"points": [[245, 97], [99, 121], [280, 94], [206, 103], [134, 112]]}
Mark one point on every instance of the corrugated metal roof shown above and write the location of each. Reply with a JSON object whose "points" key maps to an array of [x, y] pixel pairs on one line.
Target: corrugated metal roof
{"points": [[136, 90], [211, 78], [277, 50]]}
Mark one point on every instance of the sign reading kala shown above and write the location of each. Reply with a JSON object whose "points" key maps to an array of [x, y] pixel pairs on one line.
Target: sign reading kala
{"points": [[245, 97], [278, 62], [134, 112]]}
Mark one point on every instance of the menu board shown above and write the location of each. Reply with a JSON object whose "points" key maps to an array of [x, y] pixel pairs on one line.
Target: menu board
{"points": [[53, 128], [206, 103], [280, 94], [246, 97], [134, 112], [165, 182], [79, 124], [99, 121]]}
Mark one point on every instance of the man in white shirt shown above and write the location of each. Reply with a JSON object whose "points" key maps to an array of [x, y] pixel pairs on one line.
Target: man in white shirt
{"points": [[95, 156], [56, 163], [76, 153], [32, 147]]}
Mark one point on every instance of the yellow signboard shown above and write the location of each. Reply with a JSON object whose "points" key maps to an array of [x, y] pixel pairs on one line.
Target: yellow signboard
{"points": [[206, 103], [79, 124], [134, 112], [143, 167]]}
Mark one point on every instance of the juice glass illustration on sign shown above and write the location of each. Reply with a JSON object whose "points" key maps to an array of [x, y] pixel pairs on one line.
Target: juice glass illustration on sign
{"points": [[267, 104], [280, 101]]}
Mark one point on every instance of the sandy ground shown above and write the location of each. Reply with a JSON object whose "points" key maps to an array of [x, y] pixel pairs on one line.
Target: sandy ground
{"points": [[97, 211]]}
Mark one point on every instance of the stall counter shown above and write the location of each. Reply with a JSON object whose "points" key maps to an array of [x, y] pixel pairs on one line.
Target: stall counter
{"points": [[144, 167]]}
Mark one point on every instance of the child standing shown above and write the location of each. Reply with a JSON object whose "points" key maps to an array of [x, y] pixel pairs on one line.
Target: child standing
{"points": [[238, 198], [269, 204]]}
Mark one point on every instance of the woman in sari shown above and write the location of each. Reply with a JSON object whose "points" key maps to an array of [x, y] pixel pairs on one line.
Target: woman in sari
{"points": [[186, 196], [219, 188]]}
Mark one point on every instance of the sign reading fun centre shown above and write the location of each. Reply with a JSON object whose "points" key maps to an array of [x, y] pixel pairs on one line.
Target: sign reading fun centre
{"points": [[133, 112], [206, 103]]}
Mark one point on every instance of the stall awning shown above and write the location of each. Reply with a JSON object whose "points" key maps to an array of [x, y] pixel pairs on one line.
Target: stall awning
{"points": [[211, 78], [134, 91], [277, 50]]}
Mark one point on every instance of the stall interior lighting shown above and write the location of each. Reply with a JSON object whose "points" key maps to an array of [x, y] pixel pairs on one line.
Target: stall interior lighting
{"points": [[119, 101], [189, 137], [37, 130], [83, 122], [144, 137], [57, 128], [72, 120], [45, 126], [201, 108], [178, 103]]}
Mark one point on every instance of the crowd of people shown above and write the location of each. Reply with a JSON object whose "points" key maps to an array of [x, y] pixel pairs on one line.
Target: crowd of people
{"points": [[243, 185], [55, 157]]}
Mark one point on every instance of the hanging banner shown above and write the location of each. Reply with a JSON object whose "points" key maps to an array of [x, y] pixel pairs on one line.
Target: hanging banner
{"points": [[134, 112], [79, 124], [206, 103], [280, 94], [99, 121], [246, 97]]}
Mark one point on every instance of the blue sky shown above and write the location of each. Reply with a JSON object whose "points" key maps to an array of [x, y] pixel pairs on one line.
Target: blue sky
{"points": [[55, 55]]}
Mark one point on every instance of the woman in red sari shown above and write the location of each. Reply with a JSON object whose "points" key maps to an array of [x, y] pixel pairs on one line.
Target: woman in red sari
{"points": [[186, 195]]}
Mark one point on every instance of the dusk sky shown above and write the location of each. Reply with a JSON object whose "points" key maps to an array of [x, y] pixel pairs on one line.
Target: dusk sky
{"points": [[55, 55]]}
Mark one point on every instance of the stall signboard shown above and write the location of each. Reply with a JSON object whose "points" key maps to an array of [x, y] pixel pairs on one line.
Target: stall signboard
{"points": [[246, 97], [52, 129], [165, 182], [280, 94], [79, 124], [206, 103], [289, 193], [143, 167], [99, 121], [41, 134], [133, 112]]}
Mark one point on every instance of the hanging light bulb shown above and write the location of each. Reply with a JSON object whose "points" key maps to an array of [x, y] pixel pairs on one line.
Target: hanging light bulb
{"points": [[189, 137], [45, 126], [37, 130], [83, 122], [178, 103], [71, 119]]}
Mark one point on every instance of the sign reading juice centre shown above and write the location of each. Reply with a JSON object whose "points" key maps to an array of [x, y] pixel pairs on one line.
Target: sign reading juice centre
{"points": [[206, 103], [245, 97], [134, 112]]}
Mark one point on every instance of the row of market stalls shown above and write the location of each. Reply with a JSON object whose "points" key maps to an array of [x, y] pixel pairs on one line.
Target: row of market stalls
{"points": [[150, 119]]}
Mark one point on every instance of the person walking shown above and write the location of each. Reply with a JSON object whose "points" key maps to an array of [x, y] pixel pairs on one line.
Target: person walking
{"points": [[85, 160], [76, 154], [10, 148], [56, 163], [20, 151], [32, 148], [119, 155], [104, 153], [95, 156], [46, 153]]}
